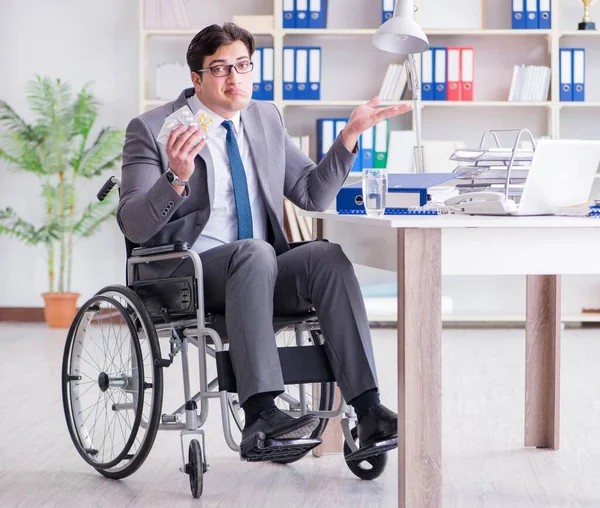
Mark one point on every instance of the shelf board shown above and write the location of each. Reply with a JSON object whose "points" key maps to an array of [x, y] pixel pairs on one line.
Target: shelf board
{"points": [[428, 104], [329, 31], [154, 32], [486, 31], [154, 102], [321, 104], [485, 104], [577, 33], [579, 104], [431, 31]]}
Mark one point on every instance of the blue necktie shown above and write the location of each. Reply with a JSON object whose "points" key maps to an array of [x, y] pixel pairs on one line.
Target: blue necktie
{"points": [[240, 186]]}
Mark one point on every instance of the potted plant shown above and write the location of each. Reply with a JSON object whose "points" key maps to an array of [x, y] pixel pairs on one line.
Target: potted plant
{"points": [[58, 147]]}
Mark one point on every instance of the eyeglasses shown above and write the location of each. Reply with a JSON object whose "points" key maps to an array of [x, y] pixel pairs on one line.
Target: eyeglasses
{"points": [[222, 70]]}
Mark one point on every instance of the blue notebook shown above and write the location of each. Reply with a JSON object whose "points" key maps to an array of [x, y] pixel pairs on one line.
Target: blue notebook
{"points": [[404, 192]]}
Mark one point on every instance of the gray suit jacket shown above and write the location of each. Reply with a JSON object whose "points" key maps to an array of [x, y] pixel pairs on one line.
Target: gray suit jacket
{"points": [[151, 212]]}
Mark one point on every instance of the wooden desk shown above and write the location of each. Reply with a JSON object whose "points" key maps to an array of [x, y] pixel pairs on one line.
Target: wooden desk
{"points": [[421, 249]]}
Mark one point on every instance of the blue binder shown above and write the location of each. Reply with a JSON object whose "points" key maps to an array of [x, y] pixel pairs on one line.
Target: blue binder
{"points": [[531, 15], [566, 74], [289, 73], [325, 136], [318, 14], [545, 14], [367, 143], [404, 191], [387, 8], [439, 74], [301, 81], [518, 14], [578, 74], [301, 13], [314, 74], [289, 14], [427, 75], [257, 89], [268, 65]]}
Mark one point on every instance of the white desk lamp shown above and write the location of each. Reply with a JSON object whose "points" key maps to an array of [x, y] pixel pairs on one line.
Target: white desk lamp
{"points": [[402, 35]]}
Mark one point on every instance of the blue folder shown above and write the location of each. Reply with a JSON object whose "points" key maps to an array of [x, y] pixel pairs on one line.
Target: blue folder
{"points": [[404, 191]]}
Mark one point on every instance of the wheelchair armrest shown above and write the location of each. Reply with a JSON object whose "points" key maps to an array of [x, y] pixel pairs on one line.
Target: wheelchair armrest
{"points": [[293, 245], [160, 249]]}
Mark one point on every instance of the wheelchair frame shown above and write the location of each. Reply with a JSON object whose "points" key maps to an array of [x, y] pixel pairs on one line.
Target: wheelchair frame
{"points": [[182, 333], [196, 333]]}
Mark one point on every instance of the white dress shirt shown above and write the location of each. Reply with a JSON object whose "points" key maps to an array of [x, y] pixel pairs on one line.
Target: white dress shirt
{"points": [[222, 227]]}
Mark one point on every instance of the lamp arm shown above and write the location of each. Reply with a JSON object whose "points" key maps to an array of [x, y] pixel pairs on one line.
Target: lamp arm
{"points": [[413, 81]]}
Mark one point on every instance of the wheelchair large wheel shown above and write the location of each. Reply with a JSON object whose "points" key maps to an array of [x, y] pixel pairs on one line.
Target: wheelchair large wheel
{"points": [[289, 401], [112, 390]]}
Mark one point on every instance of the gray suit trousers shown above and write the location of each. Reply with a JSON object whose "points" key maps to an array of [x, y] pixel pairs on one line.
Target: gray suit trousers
{"points": [[247, 282]]}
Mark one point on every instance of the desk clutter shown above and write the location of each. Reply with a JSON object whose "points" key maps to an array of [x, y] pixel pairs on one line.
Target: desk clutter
{"points": [[491, 171]]}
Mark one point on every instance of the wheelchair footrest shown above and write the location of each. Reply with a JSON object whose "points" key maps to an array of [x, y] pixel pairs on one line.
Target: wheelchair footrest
{"points": [[257, 448], [373, 449]]}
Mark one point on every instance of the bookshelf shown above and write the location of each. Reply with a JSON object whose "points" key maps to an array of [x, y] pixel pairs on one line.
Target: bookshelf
{"points": [[347, 47]]}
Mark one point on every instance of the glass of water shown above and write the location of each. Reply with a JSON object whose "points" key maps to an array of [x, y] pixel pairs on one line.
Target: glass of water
{"points": [[375, 187]]}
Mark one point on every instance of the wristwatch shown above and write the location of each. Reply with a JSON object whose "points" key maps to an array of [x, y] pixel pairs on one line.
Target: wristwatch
{"points": [[174, 179]]}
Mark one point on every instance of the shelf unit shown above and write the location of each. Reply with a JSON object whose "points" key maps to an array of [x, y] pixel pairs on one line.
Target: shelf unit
{"points": [[278, 36], [551, 118]]}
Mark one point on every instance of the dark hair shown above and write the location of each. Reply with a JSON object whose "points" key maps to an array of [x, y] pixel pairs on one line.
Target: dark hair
{"points": [[210, 39]]}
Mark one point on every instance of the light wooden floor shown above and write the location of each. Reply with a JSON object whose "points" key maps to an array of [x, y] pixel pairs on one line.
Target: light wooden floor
{"points": [[485, 463]]}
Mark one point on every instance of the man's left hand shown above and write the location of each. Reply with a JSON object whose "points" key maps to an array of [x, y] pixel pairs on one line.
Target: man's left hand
{"points": [[366, 116]]}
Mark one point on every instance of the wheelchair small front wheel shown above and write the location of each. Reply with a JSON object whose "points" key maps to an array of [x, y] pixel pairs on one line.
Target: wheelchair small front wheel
{"points": [[195, 468], [366, 469]]}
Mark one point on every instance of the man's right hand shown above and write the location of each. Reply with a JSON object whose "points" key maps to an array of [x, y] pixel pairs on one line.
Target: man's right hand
{"points": [[183, 145]]}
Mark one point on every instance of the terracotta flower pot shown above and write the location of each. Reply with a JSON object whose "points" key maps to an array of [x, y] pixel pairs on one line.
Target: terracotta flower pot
{"points": [[60, 309]]}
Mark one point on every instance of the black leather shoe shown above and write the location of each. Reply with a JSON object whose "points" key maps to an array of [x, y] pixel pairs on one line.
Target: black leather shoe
{"points": [[377, 424], [277, 425]]}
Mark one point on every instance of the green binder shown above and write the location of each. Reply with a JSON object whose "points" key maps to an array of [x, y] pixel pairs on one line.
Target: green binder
{"points": [[381, 144]]}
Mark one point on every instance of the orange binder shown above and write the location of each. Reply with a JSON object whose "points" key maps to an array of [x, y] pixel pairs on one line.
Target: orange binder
{"points": [[467, 72], [453, 74]]}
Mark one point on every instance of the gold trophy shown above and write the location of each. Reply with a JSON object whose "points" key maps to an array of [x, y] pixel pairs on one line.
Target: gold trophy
{"points": [[587, 23]]}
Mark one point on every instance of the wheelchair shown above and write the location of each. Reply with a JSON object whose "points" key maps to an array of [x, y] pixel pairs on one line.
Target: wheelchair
{"points": [[113, 366]]}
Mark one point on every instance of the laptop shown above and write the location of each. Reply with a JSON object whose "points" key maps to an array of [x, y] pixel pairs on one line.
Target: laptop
{"points": [[561, 175]]}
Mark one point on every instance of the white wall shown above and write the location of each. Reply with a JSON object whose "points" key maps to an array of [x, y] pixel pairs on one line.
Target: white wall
{"points": [[98, 41], [77, 42]]}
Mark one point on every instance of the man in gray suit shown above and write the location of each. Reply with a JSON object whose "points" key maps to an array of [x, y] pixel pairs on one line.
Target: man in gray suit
{"points": [[224, 196]]}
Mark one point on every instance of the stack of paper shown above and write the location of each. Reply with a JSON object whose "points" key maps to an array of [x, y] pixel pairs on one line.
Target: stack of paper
{"points": [[530, 83], [394, 83], [166, 14]]}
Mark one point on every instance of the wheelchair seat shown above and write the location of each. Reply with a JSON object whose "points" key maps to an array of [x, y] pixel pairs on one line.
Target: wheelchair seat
{"points": [[217, 322]]}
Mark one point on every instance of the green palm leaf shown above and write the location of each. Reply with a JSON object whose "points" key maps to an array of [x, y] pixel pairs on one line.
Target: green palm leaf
{"points": [[56, 147], [93, 216], [14, 124], [14, 226], [104, 153]]}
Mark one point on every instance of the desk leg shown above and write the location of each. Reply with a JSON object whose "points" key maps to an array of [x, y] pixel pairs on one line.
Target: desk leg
{"points": [[542, 370], [332, 437], [419, 368]]}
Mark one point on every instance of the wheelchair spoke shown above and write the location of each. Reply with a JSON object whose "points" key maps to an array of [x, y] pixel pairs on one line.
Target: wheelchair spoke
{"points": [[91, 357], [119, 415], [84, 374], [87, 390], [95, 405], [88, 363]]}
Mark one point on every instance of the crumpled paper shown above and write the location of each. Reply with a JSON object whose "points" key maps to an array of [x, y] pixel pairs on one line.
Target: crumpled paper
{"points": [[206, 121]]}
